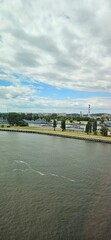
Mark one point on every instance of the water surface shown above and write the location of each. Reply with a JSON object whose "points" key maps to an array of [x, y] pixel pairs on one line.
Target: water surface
{"points": [[54, 188]]}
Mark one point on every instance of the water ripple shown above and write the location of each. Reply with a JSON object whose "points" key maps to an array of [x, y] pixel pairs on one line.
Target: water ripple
{"points": [[41, 173]]}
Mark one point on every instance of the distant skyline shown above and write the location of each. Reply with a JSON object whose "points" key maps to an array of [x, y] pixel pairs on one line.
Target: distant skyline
{"points": [[55, 56]]}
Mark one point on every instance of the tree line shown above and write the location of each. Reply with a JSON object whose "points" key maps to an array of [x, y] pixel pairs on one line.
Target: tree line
{"points": [[17, 119], [91, 126], [48, 118]]}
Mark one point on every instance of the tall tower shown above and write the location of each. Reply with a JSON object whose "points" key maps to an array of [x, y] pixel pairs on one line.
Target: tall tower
{"points": [[89, 109], [81, 114]]}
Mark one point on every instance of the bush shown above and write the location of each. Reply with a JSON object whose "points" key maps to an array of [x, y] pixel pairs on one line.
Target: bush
{"points": [[95, 133], [104, 130], [23, 124]]}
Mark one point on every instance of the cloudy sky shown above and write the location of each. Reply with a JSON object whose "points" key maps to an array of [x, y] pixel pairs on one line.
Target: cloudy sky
{"points": [[55, 56]]}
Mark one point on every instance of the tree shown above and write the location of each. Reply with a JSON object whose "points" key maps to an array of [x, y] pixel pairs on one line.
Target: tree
{"points": [[47, 118], [14, 118], [107, 118], [95, 126], [71, 120], [53, 116], [104, 130], [54, 124], [63, 125], [29, 116], [102, 120], [88, 127]]}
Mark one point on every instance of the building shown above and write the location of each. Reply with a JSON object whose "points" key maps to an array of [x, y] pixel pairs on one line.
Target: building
{"points": [[107, 124], [36, 122], [3, 121]]}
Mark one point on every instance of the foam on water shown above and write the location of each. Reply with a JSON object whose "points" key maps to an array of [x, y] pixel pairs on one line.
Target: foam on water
{"points": [[41, 173], [53, 174], [22, 170], [29, 168], [69, 179]]}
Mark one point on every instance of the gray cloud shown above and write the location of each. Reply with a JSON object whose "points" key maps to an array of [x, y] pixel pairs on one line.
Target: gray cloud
{"points": [[43, 42], [64, 43], [26, 58]]}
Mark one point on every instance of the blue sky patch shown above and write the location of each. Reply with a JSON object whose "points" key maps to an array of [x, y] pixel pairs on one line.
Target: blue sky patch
{"points": [[5, 83]]}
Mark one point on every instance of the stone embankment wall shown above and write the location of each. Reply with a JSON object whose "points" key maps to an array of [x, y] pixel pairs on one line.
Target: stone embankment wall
{"points": [[58, 135]]}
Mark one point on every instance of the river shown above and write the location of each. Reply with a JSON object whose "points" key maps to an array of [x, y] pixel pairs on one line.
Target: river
{"points": [[54, 188]]}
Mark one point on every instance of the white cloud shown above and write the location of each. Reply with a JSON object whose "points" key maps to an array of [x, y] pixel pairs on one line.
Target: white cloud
{"points": [[23, 99], [62, 43]]}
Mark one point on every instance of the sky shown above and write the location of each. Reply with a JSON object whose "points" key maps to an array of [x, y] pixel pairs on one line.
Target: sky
{"points": [[55, 56]]}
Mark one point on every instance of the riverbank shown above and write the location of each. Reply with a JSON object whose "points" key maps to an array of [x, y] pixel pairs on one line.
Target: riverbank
{"points": [[59, 133]]}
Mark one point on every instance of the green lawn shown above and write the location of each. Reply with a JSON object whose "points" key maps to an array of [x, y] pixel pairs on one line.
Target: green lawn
{"points": [[50, 130]]}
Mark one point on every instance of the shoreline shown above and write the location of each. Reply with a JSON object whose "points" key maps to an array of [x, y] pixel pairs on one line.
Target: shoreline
{"points": [[61, 134]]}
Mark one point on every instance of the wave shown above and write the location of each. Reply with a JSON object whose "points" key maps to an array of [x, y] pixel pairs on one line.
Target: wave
{"points": [[69, 179], [53, 174], [41, 173], [22, 170], [29, 168], [38, 172]]}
